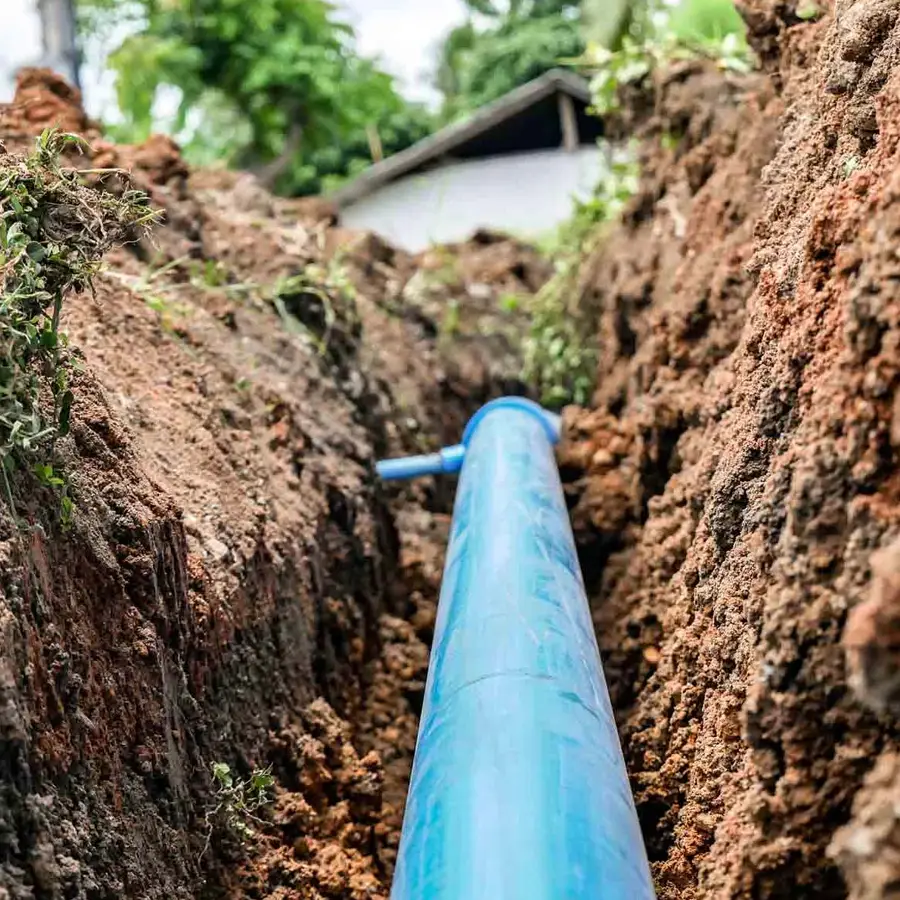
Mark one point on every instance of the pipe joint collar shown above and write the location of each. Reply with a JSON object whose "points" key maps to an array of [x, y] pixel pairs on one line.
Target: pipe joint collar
{"points": [[551, 422]]}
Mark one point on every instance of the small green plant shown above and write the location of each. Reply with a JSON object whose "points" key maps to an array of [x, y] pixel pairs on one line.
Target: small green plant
{"points": [[168, 310], [446, 273], [850, 165], [636, 60], [238, 800], [808, 10], [315, 301], [334, 276], [558, 352], [51, 478], [614, 69], [665, 34], [669, 140], [451, 320], [53, 232], [47, 476], [209, 273]]}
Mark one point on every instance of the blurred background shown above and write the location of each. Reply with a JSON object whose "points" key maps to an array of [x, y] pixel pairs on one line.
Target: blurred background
{"points": [[308, 94]]}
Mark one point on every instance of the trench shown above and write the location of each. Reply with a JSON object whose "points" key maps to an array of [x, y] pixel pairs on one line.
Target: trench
{"points": [[388, 718], [733, 490]]}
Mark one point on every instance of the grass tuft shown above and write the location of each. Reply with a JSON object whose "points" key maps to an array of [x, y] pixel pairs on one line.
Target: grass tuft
{"points": [[54, 231], [237, 801]]}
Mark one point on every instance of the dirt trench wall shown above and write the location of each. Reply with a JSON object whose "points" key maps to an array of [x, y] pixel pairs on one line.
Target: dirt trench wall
{"points": [[226, 567], [740, 469], [230, 584]]}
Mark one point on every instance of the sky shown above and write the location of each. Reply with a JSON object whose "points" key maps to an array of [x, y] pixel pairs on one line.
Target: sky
{"points": [[20, 40], [403, 33]]}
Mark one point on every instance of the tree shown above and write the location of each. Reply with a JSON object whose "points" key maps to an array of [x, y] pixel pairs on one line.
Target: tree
{"points": [[272, 85], [606, 20], [520, 40]]}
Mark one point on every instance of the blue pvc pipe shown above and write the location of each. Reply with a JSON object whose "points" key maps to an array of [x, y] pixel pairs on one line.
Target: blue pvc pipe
{"points": [[449, 460], [519, 789]]}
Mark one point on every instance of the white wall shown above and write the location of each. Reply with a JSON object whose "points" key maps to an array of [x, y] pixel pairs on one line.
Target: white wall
{"points": [[526, 194]]}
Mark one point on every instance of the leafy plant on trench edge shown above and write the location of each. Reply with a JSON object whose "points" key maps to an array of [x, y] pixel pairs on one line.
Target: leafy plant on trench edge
{"points": [[560, 360], [53, 232]]}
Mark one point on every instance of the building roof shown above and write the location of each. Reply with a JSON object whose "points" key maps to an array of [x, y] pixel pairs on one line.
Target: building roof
{"points": [[470, 137]]}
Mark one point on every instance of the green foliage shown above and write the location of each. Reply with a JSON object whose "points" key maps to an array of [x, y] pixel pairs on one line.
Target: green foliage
{"points": [[273, 85], [520, 41], [559, 357], [238, 800], [704, 20], [605, 21], [807, 10], [332, 165], [53, 232], [693, 29]]}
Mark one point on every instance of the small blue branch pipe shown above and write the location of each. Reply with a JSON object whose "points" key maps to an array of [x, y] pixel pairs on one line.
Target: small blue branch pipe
{"points": [[519, 789], [445, 462]]}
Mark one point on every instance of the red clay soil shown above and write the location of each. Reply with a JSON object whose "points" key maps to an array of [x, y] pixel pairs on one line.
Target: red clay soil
{"points": [[233, 588], [238, 588], [736, 489]]}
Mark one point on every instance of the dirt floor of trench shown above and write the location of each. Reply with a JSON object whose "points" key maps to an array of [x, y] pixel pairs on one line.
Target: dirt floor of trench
{"points": [[238, 588]]}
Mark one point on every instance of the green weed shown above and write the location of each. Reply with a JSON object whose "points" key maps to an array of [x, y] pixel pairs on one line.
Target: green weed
{"points": [[450, 323], [446, 273], [635, 60], [559, 354], [850, 165], [661, 35], [316, 302], [807, 10], [209, 273], [238, 800], [53, 232]]}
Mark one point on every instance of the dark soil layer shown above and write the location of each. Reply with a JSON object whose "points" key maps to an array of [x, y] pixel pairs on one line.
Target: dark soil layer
{"points": [[233, 588], [740, 470]]}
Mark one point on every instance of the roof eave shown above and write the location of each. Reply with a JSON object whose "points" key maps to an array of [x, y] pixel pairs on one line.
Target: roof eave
{"points": [[452, 136]]}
